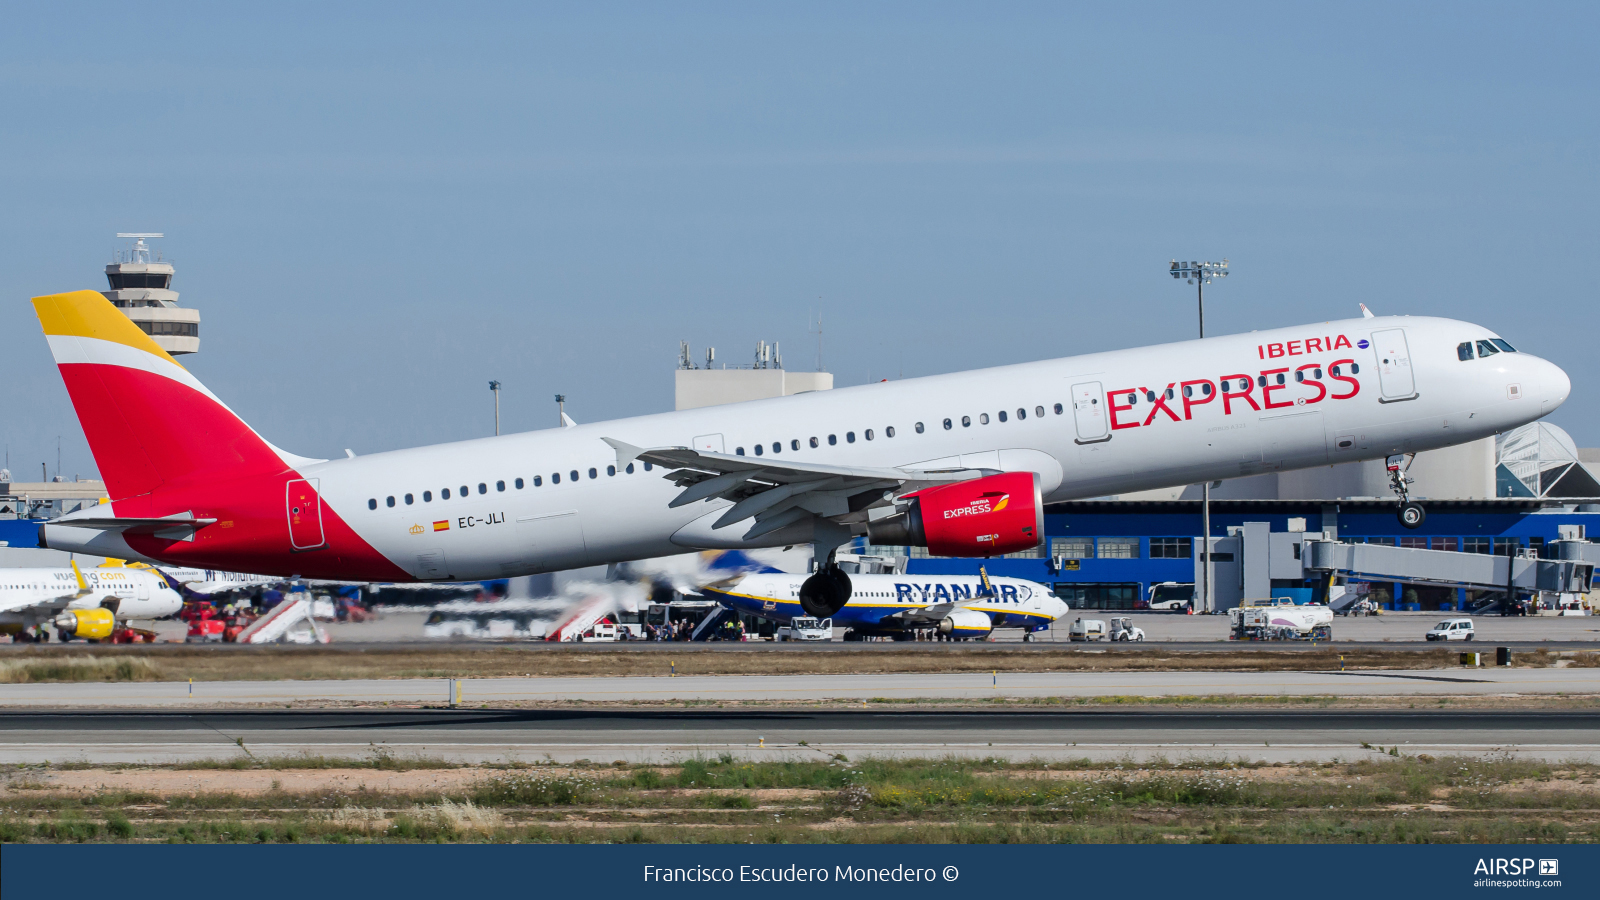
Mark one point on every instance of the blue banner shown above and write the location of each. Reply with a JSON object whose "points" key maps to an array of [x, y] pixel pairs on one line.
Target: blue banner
{"points": [[1342, 871]]}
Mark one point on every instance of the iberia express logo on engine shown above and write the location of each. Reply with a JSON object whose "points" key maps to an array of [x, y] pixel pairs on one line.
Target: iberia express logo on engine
{"points": [[981, 506]]}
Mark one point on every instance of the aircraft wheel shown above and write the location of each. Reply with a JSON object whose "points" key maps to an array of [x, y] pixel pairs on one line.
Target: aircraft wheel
{"points": [[1412, 515]]}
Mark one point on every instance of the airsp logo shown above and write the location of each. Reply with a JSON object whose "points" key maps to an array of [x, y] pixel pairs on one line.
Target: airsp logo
{"points": [[1501, 866]]}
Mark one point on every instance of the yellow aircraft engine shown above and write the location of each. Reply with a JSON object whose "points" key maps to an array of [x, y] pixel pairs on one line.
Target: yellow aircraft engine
{"points": [[93, 624]]}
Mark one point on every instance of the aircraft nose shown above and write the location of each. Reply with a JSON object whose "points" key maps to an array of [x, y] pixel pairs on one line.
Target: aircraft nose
{"points": [[1557, 385]]}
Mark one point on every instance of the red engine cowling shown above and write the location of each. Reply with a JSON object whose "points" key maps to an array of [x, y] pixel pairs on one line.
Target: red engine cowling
{"points": [[988, 516]]}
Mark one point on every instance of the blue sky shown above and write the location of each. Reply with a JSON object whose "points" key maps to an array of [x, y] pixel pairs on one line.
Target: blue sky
{"points": [[379, 208]]}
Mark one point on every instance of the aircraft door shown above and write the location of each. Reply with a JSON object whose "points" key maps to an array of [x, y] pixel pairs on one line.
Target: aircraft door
{"points": [[1088, 413], [305, 514], [708, 443], [1395, 378], [141, 588]]}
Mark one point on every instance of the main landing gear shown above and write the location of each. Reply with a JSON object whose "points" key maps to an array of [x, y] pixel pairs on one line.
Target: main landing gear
{"points": [[825, 592], [1410, 514]]}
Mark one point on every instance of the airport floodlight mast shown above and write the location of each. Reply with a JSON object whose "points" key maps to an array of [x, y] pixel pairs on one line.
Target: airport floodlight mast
{"points": [[561, 409], [495, 387], [1200, 274]]}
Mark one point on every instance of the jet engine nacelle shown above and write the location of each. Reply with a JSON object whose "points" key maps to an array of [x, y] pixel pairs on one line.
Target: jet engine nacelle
{"points": [[988, 516], [966, 623], [92, 624]]}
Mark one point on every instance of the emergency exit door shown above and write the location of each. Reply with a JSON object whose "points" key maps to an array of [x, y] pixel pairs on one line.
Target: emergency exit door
{"points": [[1395, 379], [1088, 413], [305, 514]]}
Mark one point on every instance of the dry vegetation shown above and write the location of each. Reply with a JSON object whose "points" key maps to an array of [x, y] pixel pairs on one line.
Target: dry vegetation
{"points": [[829, 799], [177, 663]]}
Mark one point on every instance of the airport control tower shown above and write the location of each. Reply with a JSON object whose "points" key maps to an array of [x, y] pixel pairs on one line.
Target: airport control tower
{"points": [[142, 289]]}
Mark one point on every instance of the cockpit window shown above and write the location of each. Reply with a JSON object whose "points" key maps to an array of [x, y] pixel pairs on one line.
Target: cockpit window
{"points": [[1503, 345], [1464, 350], [1487, 349]]}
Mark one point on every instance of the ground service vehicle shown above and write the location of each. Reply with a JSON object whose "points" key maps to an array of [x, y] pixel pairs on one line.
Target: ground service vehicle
{"points": [[1279, 619], [1123, 629], [1087, 630], [806, 628], [1171, 596], [1451, 630]]}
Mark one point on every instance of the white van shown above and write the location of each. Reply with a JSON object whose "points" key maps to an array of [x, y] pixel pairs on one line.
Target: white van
{"points": [[1451, 630]]}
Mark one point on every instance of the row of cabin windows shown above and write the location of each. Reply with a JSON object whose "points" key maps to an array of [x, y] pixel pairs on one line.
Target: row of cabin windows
{"points": [[888, 432], [500, 486], [1486, 349]]}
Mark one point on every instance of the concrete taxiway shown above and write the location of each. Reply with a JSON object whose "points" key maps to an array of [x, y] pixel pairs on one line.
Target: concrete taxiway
{"points": [[961, 686], [167, 736]]}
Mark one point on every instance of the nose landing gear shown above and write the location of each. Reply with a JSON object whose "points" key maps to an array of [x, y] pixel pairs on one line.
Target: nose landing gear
{"points": [[1410, 514]]}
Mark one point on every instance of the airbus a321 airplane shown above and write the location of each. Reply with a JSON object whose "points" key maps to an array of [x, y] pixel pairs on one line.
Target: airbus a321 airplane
{"points": [[957, 607], [962, 463], [84, 605]]}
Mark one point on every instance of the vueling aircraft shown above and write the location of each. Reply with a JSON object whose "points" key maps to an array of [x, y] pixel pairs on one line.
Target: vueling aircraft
{"points": [[961, 463], [83, 604]]}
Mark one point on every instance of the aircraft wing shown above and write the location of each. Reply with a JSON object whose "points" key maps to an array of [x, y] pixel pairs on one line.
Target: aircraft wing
{"points": [[780, 492], [926, 615]]}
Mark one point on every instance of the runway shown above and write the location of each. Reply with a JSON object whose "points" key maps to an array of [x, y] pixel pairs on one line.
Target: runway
{"points": [[969, 686], [163, 736]]}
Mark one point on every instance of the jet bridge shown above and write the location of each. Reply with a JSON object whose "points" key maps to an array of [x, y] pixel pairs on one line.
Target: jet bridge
{"points": [[1247, 561]]}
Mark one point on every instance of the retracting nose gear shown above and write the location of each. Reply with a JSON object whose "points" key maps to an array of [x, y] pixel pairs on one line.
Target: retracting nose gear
{"points": [[1410, 514]]}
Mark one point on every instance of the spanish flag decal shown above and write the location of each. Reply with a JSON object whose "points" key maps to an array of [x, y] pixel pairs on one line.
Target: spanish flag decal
{"points": [[442, 525]]}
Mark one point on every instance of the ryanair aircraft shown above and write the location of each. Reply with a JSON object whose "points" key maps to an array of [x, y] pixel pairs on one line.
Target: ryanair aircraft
{"points": [[956, 607]]}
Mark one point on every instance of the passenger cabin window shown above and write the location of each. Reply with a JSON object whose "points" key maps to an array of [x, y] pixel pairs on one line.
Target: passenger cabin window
{"points": [[777, 446], [372, 504], [593, 473], [518, 483], [1021, 413], [611, 470], [888, 431], [983, 418], [1058, 410], [389, 501], [427, 496], [794, 444], [482, 488], [813, 443], [867, 434], [648, 467], [1486, 349], [849, 437], [946, 424], [538, 481], [966, 421], [629, 469], [1464, 351], [444, 493], [555, 478], [917, 428], [1002, 415], [499, 485], [410, 500], [574, 474], [832, 439], [464, 491], [738, 451], [758, 450]]}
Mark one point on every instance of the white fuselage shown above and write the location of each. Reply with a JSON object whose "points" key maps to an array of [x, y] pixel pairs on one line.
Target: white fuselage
{"points": [[877, 602], [30, 596], [1088, 425]]}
